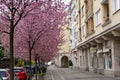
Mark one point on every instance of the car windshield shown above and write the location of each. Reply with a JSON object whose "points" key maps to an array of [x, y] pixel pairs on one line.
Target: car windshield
{"points": [[2, 74], [27, 68], [17, 70]]}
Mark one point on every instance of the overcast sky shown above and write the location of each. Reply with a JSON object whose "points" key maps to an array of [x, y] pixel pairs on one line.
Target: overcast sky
{"points": [[66, 1]]}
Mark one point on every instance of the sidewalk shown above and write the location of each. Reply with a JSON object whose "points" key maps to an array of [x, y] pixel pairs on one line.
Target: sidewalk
{"points": [[38, 78], [48, 76], [85, 75], [72, 74]]}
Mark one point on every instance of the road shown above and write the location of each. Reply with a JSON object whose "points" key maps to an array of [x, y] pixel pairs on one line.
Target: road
{"points": [[54, 73]]}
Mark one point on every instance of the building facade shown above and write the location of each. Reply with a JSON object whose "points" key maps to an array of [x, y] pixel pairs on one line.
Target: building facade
{"points": [[61, 60], [99, 36], [74, 31]]}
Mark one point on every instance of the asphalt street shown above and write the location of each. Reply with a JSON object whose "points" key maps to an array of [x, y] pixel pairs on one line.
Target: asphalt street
{"points": [[54, 73]]}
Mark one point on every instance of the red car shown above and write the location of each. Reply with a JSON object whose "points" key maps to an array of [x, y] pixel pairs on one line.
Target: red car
{"points": [[20, 73]]}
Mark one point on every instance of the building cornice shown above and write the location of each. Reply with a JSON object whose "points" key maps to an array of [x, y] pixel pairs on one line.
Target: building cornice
{"points": [[99, 35]]}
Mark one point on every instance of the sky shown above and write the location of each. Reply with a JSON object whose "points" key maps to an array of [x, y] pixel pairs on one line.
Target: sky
{"points": [[66, 1]]}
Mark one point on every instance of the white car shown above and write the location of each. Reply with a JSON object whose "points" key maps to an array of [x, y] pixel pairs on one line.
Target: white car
{"points": [[4, 73]]}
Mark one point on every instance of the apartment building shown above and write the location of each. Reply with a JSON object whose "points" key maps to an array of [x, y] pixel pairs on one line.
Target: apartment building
{"points": [[98, 48], [74, 31]]}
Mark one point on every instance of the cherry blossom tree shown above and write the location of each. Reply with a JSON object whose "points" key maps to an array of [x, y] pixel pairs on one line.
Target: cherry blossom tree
{"points": [[34, 30], [45, 47], [13, 13], [48, 44]]}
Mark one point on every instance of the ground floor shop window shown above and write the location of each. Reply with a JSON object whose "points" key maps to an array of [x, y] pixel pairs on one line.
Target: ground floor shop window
{"points": [[97, 63], [109, 60], [92, 62], [80, 60], [103, 59]]}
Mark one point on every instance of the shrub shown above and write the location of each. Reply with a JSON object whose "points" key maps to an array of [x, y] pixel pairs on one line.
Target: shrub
{"points": [[41, 74]]}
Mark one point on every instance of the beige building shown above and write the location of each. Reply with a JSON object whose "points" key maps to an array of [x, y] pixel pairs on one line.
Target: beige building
{"points": [[61, 60], [98, 47]]}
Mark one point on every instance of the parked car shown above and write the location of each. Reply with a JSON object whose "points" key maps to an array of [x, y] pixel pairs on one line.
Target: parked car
{"points": [[27, 69], [4, 73], [20, 73]]}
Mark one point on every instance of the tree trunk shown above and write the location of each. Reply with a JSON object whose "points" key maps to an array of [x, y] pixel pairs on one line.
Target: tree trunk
{"points": [[30, 64], [36, 71], [11, 54]]}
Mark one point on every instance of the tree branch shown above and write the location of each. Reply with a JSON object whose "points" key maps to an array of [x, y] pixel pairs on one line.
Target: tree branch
{"points": [[6, 32], [38, 35], [20, 16]]}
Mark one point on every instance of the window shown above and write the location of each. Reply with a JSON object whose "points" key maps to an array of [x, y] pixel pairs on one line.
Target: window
{"points": [[104, 62], [106, 15], [74, 19], [116, 5], [70, 41], [83, 31], [75, 35], [80, 35], [98, 17], [82, 11], [89, 7], [109, 61], [92, 62], [80, 60], [70, 31]]}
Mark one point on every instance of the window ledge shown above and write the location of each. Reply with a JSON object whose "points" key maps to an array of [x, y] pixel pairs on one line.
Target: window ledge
{"points": [[116, 11], [80, 40], [98, 25], [88, 17], [106, 23]]}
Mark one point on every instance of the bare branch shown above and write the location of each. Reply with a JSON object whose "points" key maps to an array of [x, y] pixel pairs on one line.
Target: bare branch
{"points": [[20, 16], [6, 32]]}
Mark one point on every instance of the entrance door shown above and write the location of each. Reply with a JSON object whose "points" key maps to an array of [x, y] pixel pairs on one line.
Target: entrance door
{"points": [[64, 62]]}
